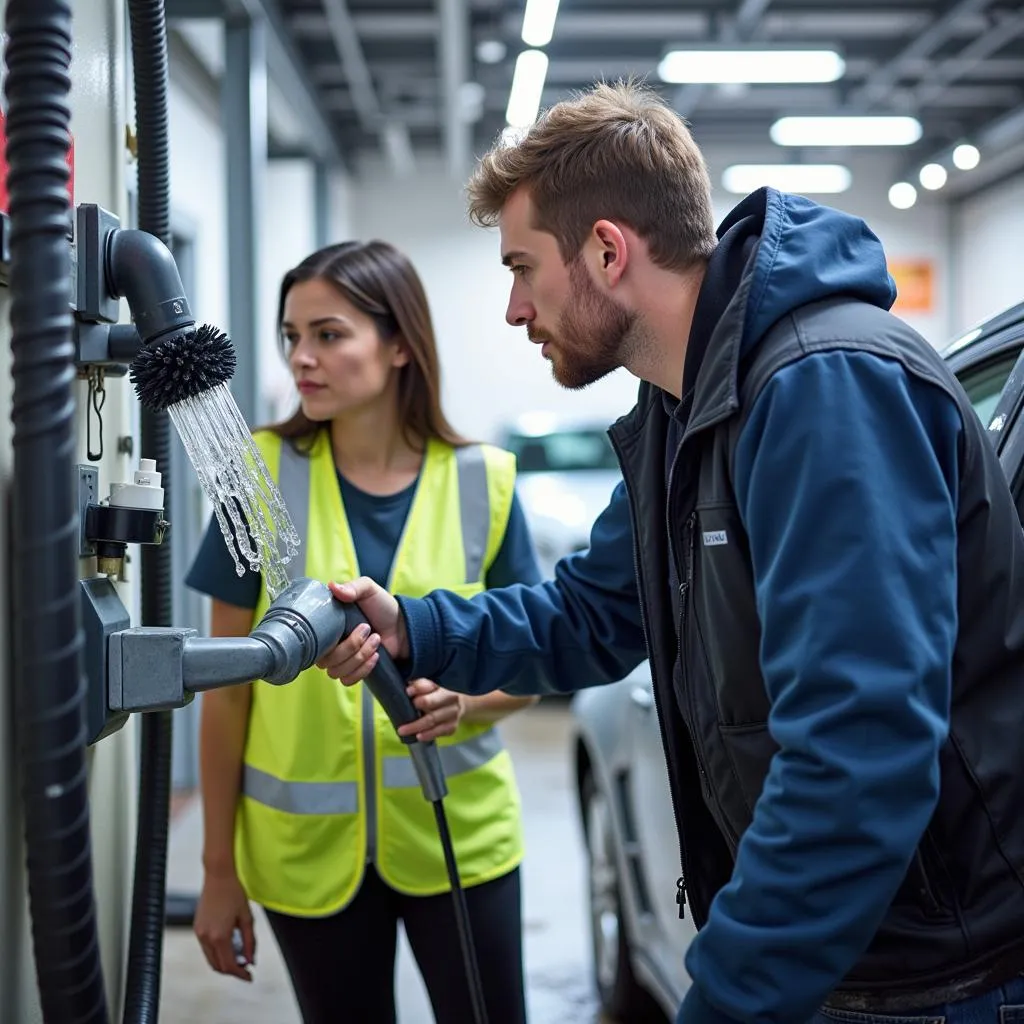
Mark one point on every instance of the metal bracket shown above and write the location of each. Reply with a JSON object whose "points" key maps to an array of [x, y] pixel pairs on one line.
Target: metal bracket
{"points": [[88, 494], [103, 614], [146, 669]]}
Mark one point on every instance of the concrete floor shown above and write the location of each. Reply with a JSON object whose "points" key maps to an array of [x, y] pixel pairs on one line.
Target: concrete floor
{"points": [[557, 955]]}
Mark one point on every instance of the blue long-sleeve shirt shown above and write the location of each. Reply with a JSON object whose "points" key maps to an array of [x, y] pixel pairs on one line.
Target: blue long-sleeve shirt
{"points": [[846, 479]]}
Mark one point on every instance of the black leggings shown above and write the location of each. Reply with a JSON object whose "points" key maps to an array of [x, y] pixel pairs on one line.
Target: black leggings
{"points": [[343, 967]]}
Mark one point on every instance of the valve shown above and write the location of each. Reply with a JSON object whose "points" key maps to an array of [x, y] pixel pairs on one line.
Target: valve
{"points": [[133, 513]]}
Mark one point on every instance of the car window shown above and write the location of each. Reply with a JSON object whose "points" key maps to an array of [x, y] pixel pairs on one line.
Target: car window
{"points": [[563, 451], [984, 384]]}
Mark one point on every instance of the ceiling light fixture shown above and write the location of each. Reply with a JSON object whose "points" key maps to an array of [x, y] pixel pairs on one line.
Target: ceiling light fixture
{"points": [[539, 22], [807, 179], [527, 88], [903, 195], [966, 157], [844, 130], [491, 51], [750, 67], [932, 176]]}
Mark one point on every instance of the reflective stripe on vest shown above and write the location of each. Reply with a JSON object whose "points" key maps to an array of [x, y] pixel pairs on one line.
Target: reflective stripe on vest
{"points": [[300, 797], [398, 772]]}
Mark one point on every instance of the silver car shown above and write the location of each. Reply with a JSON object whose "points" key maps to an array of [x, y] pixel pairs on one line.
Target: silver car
{"points": [[625, 807], [566, 473]]}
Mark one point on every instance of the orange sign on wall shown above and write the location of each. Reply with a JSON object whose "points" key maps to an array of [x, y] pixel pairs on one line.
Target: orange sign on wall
{"points": [[915, 286]]}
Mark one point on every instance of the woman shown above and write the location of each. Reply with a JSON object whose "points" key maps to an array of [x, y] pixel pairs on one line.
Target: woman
{"points": [[311, 805]]}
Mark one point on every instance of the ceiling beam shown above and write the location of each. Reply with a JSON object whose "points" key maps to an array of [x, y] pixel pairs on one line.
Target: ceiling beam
{"points": [[735, 30], [453, 45], [393, 135], [936, 82], [878, 85], [284, 65]]}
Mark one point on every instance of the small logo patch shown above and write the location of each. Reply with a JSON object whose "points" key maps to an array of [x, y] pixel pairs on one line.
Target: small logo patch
{"points": [[714, 537]]}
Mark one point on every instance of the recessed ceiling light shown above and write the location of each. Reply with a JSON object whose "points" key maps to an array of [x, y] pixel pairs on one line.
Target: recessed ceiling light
{"points": [[966, 157], [539, 22], [932, 176], [801, 178], [527, 88], [751, 67], [491, 51], [903, 195], [842, 130]]}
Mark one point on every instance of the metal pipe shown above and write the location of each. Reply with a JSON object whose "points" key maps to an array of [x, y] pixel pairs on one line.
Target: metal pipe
{"points": [[211, 662], [158, 304]]}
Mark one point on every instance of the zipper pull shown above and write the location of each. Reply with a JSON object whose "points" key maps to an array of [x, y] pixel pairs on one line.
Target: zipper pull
{"points": [[681, 896]]}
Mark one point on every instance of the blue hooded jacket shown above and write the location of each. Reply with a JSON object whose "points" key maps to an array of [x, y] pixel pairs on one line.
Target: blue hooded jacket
{"points": [[767, 952]]}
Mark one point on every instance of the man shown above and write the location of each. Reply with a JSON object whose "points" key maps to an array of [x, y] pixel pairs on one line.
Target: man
{"points": [[829, 578]]}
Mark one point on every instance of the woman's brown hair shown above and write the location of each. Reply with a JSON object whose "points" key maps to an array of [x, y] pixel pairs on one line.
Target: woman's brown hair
{"points": [[381, 282]]}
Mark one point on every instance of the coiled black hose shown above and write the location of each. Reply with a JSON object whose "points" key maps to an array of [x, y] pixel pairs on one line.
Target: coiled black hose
{"points": [[149, 893], [49, 684]]}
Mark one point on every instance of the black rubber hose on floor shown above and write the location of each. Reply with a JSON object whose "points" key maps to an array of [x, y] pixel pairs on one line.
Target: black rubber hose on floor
{"points": [[49, 685], [145, 945]]}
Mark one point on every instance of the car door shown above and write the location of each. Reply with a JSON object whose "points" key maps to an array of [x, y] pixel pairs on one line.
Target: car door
{"points": [[665, 937], [1006, 430]]}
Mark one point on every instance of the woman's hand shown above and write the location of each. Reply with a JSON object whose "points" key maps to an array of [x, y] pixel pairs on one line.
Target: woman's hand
{"points": [[222, 908], [441, 710]]}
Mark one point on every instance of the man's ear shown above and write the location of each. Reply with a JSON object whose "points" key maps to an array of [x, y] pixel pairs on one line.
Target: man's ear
{"points": [[612, 251]]}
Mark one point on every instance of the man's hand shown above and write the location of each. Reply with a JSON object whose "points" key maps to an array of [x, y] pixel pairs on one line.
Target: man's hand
{"points": [[355, 657], [441, 711]]}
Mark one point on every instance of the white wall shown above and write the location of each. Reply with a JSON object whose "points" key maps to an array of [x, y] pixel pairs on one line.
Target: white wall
{"points": [[199, 198], [921, 232], [988, 256], [491, 372], [289, 236]]}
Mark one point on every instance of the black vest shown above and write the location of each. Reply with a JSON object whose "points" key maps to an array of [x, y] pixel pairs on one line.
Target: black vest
{"points": [[956, 926]]}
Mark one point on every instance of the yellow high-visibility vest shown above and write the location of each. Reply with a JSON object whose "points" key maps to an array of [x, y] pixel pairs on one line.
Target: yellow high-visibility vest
{"points": [[327, 784]]}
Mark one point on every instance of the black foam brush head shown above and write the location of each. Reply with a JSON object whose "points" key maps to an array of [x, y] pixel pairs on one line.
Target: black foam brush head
{"points": [[168, 371]]}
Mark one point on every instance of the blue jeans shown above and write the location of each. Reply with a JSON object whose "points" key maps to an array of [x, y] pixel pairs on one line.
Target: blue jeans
{"points": [[1000, 1006]]}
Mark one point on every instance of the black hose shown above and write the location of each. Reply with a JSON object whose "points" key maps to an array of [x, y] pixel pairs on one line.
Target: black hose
{"points": [[462, 924], [49, 685], [149, 894]]}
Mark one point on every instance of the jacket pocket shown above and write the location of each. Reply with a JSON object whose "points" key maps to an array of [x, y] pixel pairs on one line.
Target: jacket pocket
{"points": [[750, 749], [923, 885]]}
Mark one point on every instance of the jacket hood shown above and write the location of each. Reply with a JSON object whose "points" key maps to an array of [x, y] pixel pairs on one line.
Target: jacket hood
{"points": [[806, 252]]}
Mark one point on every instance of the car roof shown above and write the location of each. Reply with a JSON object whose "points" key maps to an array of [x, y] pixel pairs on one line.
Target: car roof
{"points": [[998, 334]]}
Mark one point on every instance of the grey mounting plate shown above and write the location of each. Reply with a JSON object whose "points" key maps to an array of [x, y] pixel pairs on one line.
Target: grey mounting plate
{"points": [[102, 614], [88, 494]]}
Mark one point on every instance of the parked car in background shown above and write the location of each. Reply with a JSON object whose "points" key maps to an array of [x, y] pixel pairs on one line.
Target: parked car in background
{"points": [[622, 786], [567, 471]]}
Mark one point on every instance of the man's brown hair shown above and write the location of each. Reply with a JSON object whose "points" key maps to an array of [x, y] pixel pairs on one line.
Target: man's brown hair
{"points": [[617, 152]]}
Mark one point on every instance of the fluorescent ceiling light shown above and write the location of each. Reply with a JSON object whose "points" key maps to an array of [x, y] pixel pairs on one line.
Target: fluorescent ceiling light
{"points": [[966, 157], [751, 67], [527, 88], [846, 131], [512, 136], [903, 195], [539, 22], [932, 176], [801, 178]]}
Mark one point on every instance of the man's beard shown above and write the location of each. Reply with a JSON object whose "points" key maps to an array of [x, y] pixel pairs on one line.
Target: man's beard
{"points": [[592, 336]]}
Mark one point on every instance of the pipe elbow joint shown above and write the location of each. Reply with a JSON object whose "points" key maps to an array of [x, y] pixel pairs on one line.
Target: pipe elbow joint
{"points": [[141, 268]]}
